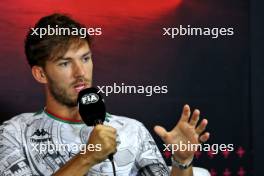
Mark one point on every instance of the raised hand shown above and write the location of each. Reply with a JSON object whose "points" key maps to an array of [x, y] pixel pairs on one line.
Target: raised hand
{"points": [[186, 132]]}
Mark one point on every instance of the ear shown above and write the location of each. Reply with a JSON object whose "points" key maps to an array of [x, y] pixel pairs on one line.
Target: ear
{"points": [[39, 74]]}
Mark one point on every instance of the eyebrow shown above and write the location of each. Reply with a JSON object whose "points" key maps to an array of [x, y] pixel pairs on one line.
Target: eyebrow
{"points": [[69, 58]]}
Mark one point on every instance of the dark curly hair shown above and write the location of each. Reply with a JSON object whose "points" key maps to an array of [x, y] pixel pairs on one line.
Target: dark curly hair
{"points": [[40, 49]]}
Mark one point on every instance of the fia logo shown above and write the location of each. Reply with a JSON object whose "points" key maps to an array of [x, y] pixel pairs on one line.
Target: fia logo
{"points": [[90, 98]]}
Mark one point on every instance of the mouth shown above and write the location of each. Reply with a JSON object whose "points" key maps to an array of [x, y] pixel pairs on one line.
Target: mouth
{"points": [[80, 86]]}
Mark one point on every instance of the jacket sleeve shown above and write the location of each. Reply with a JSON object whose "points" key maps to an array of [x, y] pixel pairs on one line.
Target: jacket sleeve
{"points": [[149, 159]]}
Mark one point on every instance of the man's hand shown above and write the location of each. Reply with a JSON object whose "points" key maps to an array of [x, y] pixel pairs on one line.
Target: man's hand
{"points": [[106, 137], [186, 131], [81, 163]]}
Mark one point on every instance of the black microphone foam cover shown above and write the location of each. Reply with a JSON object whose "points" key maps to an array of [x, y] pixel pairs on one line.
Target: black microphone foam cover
{"points": [[91, 106]]}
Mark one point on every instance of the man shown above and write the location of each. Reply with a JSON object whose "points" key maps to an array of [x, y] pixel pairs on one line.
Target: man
{"points": [[63, 64]]}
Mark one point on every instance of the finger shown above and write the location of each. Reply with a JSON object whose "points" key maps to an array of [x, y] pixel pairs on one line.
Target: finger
{"points": [[113, 144], [113, 151], [201, 127], [110, 141], [161, 132], [110, 135], [185, 113], [109, 128], [203, 138], [110, 138], [195, 117], [110, 147]]}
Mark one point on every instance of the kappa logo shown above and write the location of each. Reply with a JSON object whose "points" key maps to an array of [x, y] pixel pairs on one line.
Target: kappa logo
{"points": [[40, 136], [41, 132], [90, 98]]}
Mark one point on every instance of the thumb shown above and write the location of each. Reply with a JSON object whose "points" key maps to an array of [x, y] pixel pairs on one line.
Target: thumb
{"points": [[160, 131]]}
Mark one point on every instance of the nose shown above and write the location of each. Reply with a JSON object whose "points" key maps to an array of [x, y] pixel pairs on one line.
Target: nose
{"points": [[79, 70]]}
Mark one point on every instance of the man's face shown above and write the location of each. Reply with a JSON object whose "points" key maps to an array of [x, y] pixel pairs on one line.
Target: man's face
{"points": [[68, 75]]}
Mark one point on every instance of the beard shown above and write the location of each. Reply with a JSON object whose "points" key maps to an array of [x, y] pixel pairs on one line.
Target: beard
{"points": [[60, 93]]}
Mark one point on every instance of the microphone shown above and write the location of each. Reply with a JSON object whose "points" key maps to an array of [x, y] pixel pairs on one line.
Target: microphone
{"points": [[92, 108]]}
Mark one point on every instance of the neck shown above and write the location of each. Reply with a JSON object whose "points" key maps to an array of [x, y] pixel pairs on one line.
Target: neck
{"points": [[61, 110]]}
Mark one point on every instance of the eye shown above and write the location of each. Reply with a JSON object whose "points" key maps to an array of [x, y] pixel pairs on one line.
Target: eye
{"points": [[64, 64], [86, 59]]}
